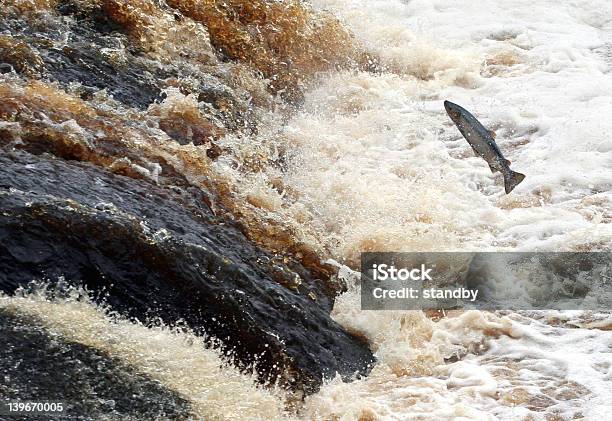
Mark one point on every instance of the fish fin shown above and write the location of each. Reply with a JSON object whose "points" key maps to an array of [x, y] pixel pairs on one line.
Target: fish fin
{"points": [[508, 162], [493, 170], [512, 179], [493, 134]]}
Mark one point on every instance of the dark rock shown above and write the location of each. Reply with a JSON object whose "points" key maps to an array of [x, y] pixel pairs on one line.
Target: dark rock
{"points": [[102, 62], [94, 53], [6, 68], [84, 45], [161, 252], [214, 151], [90, 383]]}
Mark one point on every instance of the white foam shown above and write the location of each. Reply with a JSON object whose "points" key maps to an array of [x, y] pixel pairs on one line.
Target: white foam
{"points": [[176, 358], [374, 162], [538, 74]]}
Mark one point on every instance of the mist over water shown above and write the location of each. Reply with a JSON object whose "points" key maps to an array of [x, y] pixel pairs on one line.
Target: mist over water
{"points": [[371, 162]]}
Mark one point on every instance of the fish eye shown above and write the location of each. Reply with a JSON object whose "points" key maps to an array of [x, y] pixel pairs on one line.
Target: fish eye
{"points": [[454, 114]]}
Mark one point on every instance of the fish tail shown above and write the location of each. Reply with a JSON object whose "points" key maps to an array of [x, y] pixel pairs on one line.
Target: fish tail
{"points": [[512, 179]]}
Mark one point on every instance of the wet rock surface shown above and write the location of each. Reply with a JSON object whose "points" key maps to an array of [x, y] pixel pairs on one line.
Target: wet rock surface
{"points": [[94, 58], [112, 119], [122, 83], [88, 51], [90, 383], [160, 251]]}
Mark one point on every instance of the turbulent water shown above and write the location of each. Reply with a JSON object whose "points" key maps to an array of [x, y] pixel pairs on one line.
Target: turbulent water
{"points": [[539, 74], [370, 161]]}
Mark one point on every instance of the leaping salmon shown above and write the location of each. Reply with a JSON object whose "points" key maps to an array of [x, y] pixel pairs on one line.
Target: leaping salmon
{"points": [[483, 143]]}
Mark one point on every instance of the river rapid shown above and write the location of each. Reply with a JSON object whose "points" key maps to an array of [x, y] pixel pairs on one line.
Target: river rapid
{"points": [[370, 161], [539, 74]]}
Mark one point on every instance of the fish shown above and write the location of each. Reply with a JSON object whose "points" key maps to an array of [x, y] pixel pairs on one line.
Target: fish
{"points": [[483, 143]]}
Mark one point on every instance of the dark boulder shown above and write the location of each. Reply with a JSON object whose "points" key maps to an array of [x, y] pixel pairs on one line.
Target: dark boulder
{"points": [[160, 251], [90, 383]]}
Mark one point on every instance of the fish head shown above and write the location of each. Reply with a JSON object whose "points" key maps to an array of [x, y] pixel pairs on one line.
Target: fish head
{"points": [[453, 110]]}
